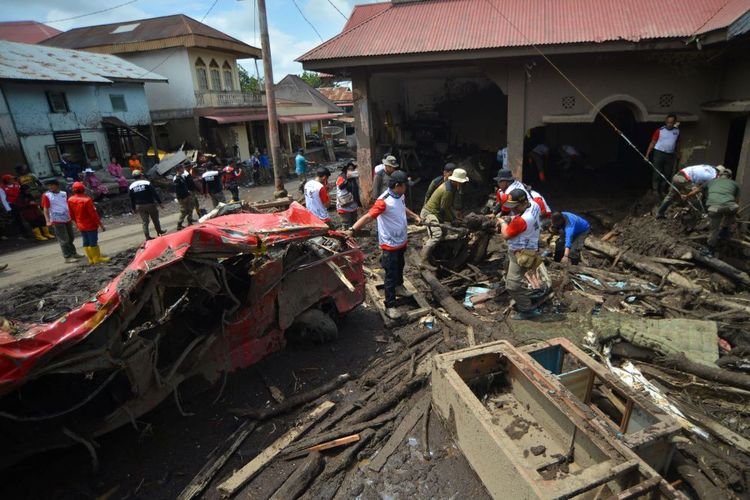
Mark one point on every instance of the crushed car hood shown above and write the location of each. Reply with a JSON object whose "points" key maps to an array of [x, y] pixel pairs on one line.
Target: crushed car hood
{"points": [[25, 347]]}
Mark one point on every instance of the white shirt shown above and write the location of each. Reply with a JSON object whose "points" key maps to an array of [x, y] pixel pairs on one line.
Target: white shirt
{"points": [[313, 201], [529, 238], [699, 174], [379, 168], [58, 207], [540, 149], [502, 157], [392, 223], [4, 200], [666, 139]]}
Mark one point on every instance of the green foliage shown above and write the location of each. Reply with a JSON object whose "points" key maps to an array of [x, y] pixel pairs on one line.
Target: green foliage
{"points": [[249, 83], [311, 78]]}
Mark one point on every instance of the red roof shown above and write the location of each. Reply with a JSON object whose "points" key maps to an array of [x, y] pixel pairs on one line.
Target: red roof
{"points": [[454, 25], [26, 31], [337, 94]]}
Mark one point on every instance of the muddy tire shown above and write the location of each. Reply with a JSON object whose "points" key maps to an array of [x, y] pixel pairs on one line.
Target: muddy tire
{"points": [[313, 325]]}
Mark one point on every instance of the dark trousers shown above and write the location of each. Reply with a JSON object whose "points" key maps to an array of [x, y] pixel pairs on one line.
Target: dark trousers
{"points": [[149, 211], [664, 163], [64, 235], [235, 190], [392, 262]]}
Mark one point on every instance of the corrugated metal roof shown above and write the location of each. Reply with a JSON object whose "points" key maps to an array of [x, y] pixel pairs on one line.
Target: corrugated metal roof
{"points": [[362, 13], [26, 31], [294, 88], [141, 30], [336, 94], [453, 25], [21, 61]]}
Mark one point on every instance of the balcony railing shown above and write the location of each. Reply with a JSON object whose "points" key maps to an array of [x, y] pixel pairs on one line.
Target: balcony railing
{"points": [[227, 99]]}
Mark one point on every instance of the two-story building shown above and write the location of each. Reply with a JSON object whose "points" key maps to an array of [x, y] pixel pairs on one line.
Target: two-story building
{"points": [[201, 65], [57, 101]]}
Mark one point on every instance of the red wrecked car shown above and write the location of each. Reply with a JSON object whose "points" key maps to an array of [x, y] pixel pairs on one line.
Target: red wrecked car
{"points": [[211, 298]]}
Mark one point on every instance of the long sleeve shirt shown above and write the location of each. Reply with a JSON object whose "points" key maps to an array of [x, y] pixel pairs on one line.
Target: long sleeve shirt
{"points": [[142, 193], [83, 212], [575, 225], [440, 203], [4, 200], [380, 183], [181, 188]]}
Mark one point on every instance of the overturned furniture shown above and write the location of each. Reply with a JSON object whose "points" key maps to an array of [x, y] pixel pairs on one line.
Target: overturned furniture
{"points": [[632, 417], [211, 298], [525, 434]]}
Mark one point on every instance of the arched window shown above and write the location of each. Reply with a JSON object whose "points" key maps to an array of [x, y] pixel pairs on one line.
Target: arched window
{"points": [[228, 76], [201, 74], [215, 75]]}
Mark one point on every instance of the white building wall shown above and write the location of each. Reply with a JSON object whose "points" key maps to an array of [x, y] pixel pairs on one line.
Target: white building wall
{"points": [[172, 63], [137, 106]]}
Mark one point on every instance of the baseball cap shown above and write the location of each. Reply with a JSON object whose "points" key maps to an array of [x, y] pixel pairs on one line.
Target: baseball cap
{"points": [[398, 178], [322, 172], [449, 167], [78, 187], [515, 197], [504, 175]]}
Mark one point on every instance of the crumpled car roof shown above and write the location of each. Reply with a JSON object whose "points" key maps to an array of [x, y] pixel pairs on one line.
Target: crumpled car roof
{"points": [[25, 347]]}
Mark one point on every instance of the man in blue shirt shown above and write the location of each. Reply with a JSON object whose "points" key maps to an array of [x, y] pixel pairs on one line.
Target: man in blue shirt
{"points": [[301, 164], [576, 229]]}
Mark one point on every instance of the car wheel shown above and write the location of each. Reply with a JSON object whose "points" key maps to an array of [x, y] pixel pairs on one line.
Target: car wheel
{"points": [[313, 325]]}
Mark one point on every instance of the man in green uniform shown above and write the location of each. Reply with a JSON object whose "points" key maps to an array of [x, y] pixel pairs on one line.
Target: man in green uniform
{"points": [[722, 203], [438, 210]]}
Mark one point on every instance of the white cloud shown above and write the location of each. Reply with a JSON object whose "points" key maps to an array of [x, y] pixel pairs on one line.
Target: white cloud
{"points": [[125, 13]]}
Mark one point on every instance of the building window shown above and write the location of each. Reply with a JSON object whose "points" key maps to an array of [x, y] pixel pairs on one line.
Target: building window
{"points": [[201, 74], [57, 102], [54, 155], [215, 76], [666, 100], [118, 102], [92, 155], [228, 77], [569, 102]]}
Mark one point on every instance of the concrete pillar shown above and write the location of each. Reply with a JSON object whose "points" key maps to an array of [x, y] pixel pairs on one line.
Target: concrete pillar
{"points": [[364, 134], [516, 118], [743, 167]]}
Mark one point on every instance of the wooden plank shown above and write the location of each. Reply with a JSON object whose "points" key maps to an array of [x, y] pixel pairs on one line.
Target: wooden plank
{"points": [[216, 460], [241, 477], [398, 435], [418, 296], [353, 438], [723, 433], [470, 336]]}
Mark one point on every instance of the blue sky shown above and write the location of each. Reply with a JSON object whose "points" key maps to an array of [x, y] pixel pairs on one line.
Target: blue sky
{"points": [[290, 35]]}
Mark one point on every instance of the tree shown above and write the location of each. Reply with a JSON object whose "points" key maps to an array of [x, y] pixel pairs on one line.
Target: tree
{"points": [[311, 78], [249, 83]]}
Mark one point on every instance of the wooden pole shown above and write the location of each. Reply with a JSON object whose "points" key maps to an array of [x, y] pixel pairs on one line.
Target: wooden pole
{"points": [[273, 121]]}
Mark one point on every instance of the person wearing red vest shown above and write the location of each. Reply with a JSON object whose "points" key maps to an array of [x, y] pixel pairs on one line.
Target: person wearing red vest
{"points": [[83, 213], [391, 213]]}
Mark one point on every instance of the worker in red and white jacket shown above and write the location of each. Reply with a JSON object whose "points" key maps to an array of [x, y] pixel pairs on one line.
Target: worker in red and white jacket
{"points": [[687, 183], [391, 213], [505, 184], [316, 195], [664, 144]]}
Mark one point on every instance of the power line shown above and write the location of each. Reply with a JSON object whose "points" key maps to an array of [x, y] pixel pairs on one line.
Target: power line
{"points": [[337, 10], [585, 97], [91, 13], [306, 19]]}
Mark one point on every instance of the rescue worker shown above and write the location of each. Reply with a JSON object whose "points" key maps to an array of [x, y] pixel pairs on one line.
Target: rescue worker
{"points": [[505, 184], [722, 203], [391, 214], [380, 180], [663, 144], [231, 181], [687, 183], [316, 195], [448, 169], [522, 234], [70, 169], [301, 165], [439, 210], [32, 215], [212, 185], [144, 200], [198, 183], [502, 157], [87, 220], [57, 215], [539, 157], [575, 228], [183, 190], [347, 195], [12, 192]]}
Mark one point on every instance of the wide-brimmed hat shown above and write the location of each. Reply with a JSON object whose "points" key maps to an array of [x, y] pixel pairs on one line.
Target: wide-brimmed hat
{"points": [[459, 175], [390, 161], [88, 171], [515, 197], [504, 175]]}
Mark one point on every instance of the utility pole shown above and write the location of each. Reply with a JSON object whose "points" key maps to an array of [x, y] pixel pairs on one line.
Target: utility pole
{"points": [[273, 121]]}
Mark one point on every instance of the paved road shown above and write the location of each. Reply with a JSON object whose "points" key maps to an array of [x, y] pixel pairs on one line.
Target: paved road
{"points": [[45, 260]]}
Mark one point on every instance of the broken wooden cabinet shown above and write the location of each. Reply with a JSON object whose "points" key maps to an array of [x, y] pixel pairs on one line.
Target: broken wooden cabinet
{"points": [[513, 424]]}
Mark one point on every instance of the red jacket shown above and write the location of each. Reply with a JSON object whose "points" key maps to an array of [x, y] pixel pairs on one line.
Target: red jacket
{"points": [[12, 191], [83, 212]]}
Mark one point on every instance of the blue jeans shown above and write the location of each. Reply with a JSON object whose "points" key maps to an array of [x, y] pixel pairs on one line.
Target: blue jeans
{"points": [[393, 264], [90, 238]]}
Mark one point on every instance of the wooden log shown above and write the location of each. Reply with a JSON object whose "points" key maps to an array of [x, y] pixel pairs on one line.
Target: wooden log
{"points": [[715, 374], [719, 431], [378, 374], [346, 409], [642, 263], [719, 265], [216, 460], [391, 399], [237, 480], [443, 295], [695, 478], [280, 203], [409, 374], [398, 435], [291, 402], [296, 484]]}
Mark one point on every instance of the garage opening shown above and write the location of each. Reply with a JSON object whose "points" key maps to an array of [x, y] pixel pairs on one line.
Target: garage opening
{"points": [[590, 160]]}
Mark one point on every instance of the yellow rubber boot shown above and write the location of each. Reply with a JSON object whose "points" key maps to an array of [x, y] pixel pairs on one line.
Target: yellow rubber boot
{"points": [[38, 234], [47, 234], [89, 251], [98, 257]]}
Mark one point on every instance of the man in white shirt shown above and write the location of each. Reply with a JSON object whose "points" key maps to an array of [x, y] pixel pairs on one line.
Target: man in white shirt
{"points": [[687, 183], [664, 144]]}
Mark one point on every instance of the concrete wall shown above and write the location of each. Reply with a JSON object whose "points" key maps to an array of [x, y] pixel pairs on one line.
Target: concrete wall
{"points": [[36, 153], [11, 153], [220, 58], [174, 64], [138, 112]]}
